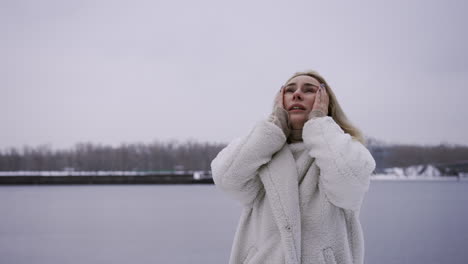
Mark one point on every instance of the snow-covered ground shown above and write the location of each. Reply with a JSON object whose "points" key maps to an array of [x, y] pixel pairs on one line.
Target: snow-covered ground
{"points": [[418, 172], [417, 177]]}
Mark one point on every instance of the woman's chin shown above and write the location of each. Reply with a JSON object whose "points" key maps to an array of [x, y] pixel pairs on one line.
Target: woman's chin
{"points": [[297, 121], [297, 116]]}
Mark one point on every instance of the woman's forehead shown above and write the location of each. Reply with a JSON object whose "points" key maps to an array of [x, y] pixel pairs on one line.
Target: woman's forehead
{"points": [[303, 79]]}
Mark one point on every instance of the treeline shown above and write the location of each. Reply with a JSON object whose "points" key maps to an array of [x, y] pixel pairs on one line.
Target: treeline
{"points": [[192, 155], [404, 155], [157, 156]]}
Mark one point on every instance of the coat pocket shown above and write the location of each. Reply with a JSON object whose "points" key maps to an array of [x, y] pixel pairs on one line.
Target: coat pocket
{"points": [[329, 256], [250, 253]]}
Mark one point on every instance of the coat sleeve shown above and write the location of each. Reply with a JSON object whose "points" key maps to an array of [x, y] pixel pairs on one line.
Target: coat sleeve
{"points": [[345, 164], [235, 168]]}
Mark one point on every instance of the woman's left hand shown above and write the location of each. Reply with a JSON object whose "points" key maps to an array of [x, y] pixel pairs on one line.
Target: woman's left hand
{"points": [[320, 107]]}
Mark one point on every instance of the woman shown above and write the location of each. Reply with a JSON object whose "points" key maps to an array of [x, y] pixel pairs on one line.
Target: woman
{"points": [[301, 176]]}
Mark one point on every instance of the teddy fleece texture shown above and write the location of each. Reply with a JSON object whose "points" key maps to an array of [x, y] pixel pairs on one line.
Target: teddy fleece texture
{"points": [[301, 201]]}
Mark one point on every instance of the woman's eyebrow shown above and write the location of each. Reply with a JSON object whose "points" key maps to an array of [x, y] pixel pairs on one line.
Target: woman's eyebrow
{"points": [[310, 84], [305, 84]]}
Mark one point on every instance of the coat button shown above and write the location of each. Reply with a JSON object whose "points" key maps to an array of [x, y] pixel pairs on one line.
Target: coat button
{"points": [[288, 227]]}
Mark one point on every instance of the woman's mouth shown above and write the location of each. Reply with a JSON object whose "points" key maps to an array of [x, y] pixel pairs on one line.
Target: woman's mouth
{"points": [[297, 108]]}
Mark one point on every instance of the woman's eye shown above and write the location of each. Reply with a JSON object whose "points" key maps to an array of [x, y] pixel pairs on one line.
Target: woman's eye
{"points": [[289, 90], [310, 90]]}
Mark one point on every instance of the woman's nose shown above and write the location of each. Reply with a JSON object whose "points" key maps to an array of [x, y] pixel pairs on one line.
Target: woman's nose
{"points": [[297, 95]]}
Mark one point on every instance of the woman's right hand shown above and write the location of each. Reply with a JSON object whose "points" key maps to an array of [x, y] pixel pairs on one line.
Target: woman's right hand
{"points": [[279, 115], [279, 98]]}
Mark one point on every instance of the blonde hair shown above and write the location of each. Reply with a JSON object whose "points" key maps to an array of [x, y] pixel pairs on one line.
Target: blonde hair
{"points": [[334, 108]]}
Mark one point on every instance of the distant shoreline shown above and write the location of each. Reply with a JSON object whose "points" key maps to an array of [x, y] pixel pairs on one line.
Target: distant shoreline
{"points": [[133, 177], [102, 177]]}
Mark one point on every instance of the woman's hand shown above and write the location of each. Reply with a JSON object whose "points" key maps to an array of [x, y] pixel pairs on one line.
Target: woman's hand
{"points": [[320, 107], [279, 98], [279, 115]]}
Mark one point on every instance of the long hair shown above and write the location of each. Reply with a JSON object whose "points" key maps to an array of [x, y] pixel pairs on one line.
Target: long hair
{"points": [[334, 108]]}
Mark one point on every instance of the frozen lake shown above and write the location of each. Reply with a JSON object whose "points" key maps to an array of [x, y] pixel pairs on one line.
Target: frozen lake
{"points": [[403, 221]]}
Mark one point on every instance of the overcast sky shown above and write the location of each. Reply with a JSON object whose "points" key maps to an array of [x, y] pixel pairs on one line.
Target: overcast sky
{"points": [[136, 71]]}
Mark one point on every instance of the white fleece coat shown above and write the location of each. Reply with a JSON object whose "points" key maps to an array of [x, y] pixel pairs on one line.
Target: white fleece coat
{"points": [[296, 211]]}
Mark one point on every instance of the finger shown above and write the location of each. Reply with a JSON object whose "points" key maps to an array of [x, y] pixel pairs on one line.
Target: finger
{"points": [[282, 96], [324, 91], [326, 96], [323, 99], [279, 95], [281, 91], [317, 101], [278, 98]]}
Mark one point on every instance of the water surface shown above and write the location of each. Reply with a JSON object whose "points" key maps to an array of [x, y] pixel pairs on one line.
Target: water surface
{"points": [[403, 222]]}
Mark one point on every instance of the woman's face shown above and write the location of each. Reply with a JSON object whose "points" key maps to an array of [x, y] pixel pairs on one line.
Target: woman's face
{"points": [[300, 93]]}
